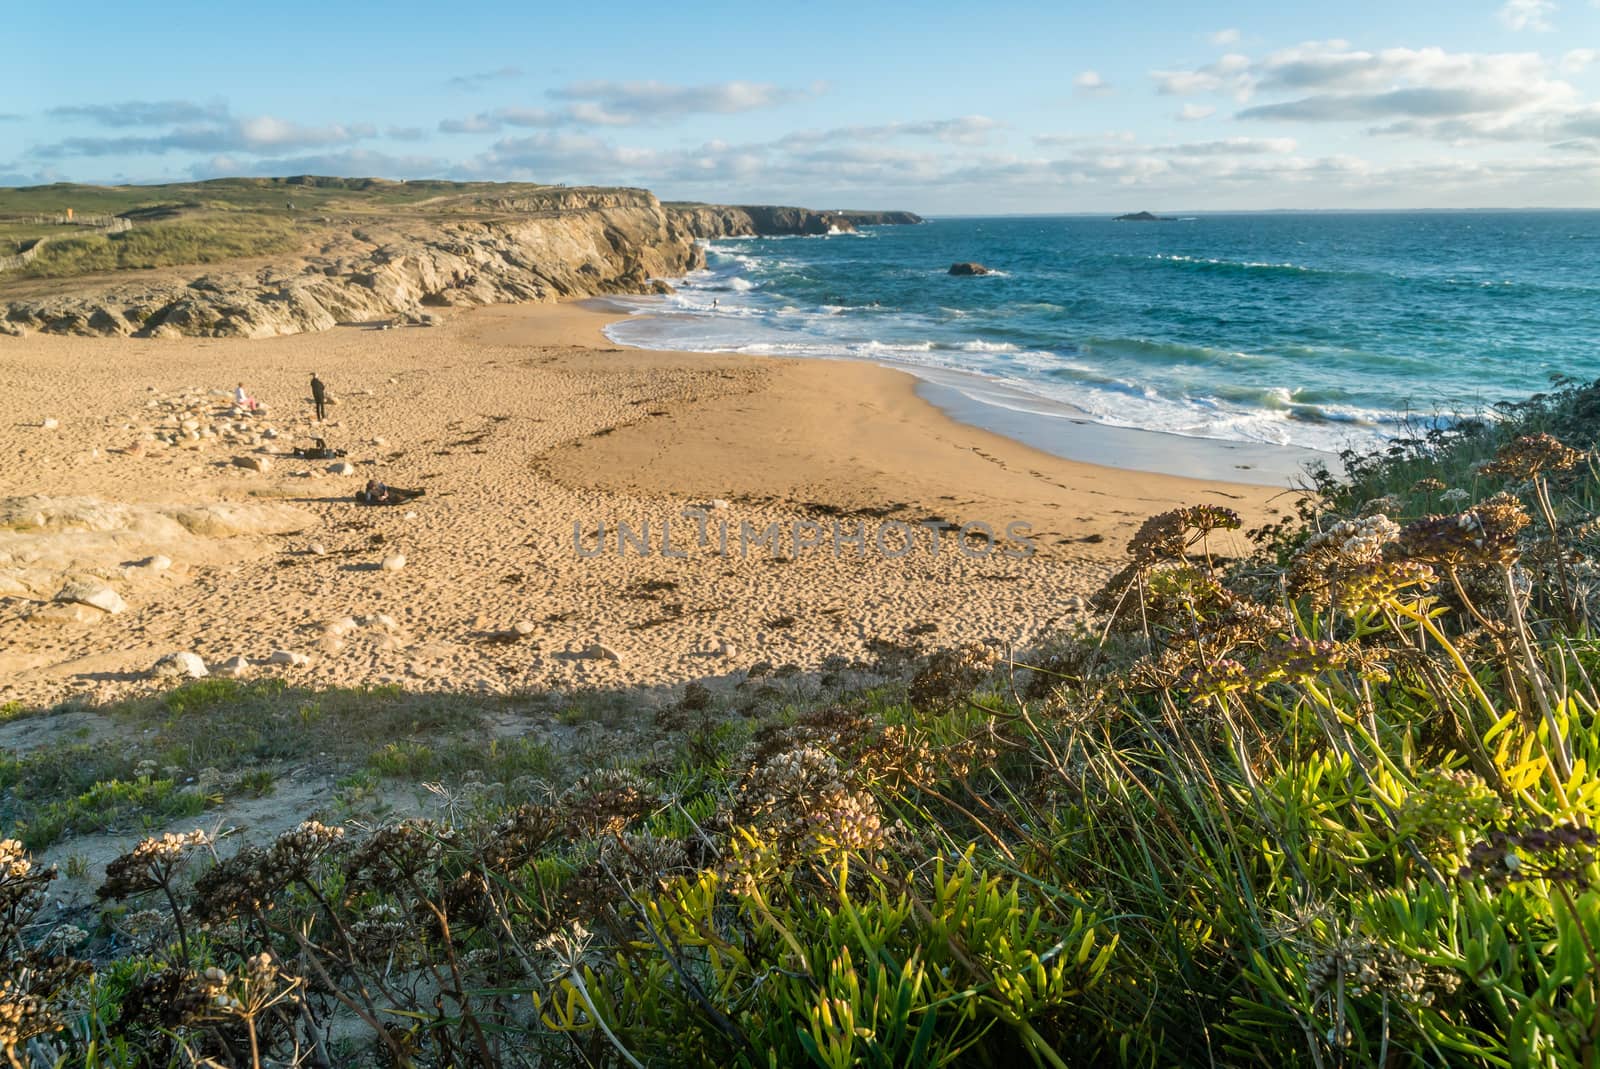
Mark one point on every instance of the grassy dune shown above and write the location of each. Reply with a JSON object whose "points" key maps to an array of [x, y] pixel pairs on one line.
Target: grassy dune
{"points": [[1330, 806], [222, 219]]}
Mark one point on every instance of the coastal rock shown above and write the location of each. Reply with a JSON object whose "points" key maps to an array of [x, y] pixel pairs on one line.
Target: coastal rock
{"points": [[969, 268], [1143, 217], [182, 665], [95, 595]]}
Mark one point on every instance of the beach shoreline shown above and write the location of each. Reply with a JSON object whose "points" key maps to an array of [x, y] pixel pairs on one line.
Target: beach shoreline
{"points": [[1063, 430], [527, 428]]}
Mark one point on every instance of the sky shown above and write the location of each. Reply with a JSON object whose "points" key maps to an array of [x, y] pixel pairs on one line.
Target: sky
{"points": [[936, 107]]}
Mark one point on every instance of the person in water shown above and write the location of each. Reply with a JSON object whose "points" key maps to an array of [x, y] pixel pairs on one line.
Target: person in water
{"points": [[319, 396]]}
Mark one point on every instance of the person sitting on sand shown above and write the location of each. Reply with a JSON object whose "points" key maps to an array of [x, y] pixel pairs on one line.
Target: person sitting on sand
{"points": [[243, 400], [376, 493]]}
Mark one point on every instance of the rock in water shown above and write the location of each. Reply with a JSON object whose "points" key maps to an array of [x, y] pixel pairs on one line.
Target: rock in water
{"points": [[183, 665], [97, 595], [969, 268]]}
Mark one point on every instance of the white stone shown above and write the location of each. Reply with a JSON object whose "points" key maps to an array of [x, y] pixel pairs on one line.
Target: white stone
{"points": [[601, 652], [394, 562], [97, 595], [317, 549], [380, 441], [253, 463], [50, 424], [727, 649], [289, 657], [233, 668], [341, 627], [719, 503], [388, 623], [344, 467], [524, 627], [180, 665]]}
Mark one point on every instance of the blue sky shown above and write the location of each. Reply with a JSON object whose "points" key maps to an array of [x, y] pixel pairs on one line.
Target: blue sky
{"points": [[938, 107]]}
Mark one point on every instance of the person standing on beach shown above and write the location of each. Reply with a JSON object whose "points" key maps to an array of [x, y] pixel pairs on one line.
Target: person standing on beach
{"points": [[319, 396]]}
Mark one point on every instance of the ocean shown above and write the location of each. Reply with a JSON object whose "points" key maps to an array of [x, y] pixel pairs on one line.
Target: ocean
{"points": [[1315, 330]]}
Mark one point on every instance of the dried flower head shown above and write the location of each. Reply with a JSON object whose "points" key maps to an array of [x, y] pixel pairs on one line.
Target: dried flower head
{"points": [[1532, 455], [1485, 534], [1169, 535], [1564, 853]]}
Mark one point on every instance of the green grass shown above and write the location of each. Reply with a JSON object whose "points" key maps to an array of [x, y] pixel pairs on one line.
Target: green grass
{"points": [[224, 219]]}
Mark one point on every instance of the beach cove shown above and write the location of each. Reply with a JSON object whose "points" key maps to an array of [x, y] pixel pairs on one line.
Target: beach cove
{"points": [[529, 432]]}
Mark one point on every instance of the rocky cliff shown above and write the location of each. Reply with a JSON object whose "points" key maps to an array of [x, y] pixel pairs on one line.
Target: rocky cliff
{"points": [[557, 243], [472, 245], [743, 221]]}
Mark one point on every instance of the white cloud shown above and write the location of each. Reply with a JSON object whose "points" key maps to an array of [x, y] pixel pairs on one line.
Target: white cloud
{"points": [[1224, 38], [1424, 92], [1090, 82], [1230, 74], [1192, 112], [1579, 58], [1528, 14], [629, 102]]}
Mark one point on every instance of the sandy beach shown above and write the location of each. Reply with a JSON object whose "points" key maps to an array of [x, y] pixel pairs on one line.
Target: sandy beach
{"points": [[524, 426]]}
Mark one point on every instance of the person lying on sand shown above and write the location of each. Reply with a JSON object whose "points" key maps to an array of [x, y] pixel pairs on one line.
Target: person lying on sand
{"points": [[320, 451], [376, 493]]}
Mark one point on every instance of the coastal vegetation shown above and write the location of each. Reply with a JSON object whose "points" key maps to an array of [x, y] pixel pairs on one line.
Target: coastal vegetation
{"points": [[1330, 805]]}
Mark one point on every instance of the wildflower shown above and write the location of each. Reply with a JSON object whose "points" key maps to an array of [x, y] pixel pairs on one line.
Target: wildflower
{"points": [[1485, 534], [809, 804], [1216, 681], [951, 675], [1354, 967], [150, 865], [1532, 455], [1343, 549], [1564, 853], [1167, 535], [397, 854], [1455, 496], [609, 800]]}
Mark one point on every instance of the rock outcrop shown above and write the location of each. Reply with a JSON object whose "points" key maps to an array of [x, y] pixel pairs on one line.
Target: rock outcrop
{"points": [[882, 218], [528, 244], [746, 221], [968, 268], [535, 247]]}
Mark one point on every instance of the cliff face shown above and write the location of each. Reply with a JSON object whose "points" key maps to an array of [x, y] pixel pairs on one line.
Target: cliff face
{"points": [[744, 221], [564, 244], [527, 244]]}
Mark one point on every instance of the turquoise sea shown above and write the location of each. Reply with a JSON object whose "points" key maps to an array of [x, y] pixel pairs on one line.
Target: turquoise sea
{"points": [[1318, 329]]}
